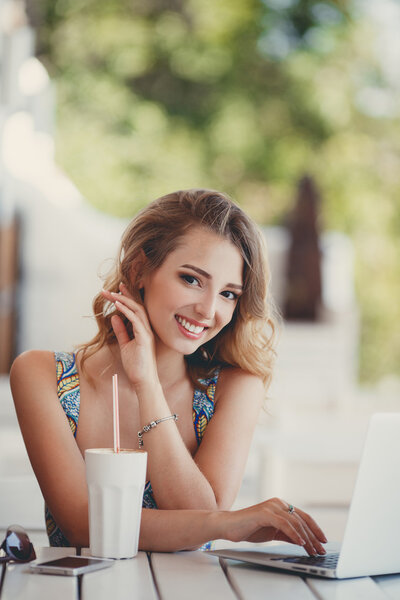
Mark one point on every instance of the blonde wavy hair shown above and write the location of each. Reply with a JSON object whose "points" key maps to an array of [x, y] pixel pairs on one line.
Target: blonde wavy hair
{"points": [[248, 340]]}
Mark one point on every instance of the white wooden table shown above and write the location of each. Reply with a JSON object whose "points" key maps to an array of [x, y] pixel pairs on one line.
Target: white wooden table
{"points": [[184, 576]]}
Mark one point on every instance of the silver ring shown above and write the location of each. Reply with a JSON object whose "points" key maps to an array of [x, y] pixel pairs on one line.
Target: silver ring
{"points": [[291, 509]]}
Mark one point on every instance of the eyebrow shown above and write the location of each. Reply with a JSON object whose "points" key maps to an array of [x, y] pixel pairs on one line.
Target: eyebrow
{"points": [[208, 276]]}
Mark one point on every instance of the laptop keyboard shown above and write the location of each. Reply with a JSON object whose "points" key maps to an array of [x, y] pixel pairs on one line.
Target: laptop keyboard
{"points": [[329, 561]]}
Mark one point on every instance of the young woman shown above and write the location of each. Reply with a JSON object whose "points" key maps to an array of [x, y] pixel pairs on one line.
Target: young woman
{"points": [[185, 322]]}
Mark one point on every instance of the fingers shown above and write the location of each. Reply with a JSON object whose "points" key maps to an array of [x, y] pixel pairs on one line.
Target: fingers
{"points": [[263, 522], [120, 331], [272, 520], [139, 330], [292, 533], [313, 545], [304, 525], [132, 310], [313, 525]]}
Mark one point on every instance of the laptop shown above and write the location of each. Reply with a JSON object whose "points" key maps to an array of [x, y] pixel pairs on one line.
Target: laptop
{"points": [[371, 540]]}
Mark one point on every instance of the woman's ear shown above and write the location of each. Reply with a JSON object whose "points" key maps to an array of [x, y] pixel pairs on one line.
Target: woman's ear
{"points": [[137, 272]]}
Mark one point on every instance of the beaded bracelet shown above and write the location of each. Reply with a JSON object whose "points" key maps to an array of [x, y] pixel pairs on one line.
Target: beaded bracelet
{"points": [[151, 425]]}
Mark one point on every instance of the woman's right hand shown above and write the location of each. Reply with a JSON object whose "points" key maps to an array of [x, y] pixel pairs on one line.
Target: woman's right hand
{"points": [[271, 520], [137, 352]]}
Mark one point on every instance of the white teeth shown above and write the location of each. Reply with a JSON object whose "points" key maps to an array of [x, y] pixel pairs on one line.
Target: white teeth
{"points": [[189, 326]]}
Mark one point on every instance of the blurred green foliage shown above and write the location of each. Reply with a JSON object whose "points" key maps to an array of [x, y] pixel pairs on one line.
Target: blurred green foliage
{"points": [[239, 95]]}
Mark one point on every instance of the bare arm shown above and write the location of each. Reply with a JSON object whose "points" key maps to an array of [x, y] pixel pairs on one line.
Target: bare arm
{"points": [[224, 450], [174, 530], [57, 462], [212, 478], [52, 449]]}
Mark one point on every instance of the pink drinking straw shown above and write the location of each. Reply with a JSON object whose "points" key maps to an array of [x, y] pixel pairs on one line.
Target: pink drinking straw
{"points": [[116, 413]]}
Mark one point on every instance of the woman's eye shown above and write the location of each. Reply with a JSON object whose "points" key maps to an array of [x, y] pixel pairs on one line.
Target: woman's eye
{"points": [[229, 295], [190, 279]]}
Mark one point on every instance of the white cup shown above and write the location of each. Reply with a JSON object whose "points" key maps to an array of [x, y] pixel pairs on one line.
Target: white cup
{"points": [[116, 483]]}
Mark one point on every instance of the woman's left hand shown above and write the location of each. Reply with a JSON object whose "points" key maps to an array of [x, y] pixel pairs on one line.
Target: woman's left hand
{"points": [[273, 519], [137, 353]]}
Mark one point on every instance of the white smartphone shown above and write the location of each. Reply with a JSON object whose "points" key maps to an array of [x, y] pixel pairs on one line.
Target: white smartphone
{"points": [[71, 565]]}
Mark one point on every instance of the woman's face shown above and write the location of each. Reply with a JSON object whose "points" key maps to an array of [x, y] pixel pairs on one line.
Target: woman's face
{"points": [[193, 295]]}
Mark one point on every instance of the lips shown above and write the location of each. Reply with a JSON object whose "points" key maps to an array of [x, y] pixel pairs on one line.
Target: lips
{"points": [[190, 327]]}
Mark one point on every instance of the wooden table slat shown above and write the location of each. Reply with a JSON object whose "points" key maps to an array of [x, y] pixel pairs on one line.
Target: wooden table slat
{"points": [[255, 582], [361, 588], [190, 575], [20, 584], [125, 580], [187, 576]]}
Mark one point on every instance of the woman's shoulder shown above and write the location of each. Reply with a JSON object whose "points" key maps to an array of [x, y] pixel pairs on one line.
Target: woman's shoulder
{"points": [[32, 359], [35, 365], [226, 375], [31, 370], [236, 381], [236, 374]]}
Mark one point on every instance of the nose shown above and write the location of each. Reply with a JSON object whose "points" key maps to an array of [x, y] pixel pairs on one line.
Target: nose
{"points": [[205, 307]]}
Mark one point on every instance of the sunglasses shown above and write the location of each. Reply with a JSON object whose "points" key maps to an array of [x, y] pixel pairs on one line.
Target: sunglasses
{"points": [[17, 546]]}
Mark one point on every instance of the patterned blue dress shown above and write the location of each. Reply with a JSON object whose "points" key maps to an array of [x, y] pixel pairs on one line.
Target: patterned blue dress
{"points": [[69, 395]]}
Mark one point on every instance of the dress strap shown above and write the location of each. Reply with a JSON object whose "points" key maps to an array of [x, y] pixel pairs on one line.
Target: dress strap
{"points": [[68, 393], [68, 390], [204, 404]]}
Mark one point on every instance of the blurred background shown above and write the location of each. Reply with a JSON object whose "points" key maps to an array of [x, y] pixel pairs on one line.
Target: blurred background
{"points": [[290, 106]]}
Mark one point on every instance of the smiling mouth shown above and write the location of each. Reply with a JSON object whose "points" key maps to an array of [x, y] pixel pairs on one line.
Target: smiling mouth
{"points": [[190, 327]]}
